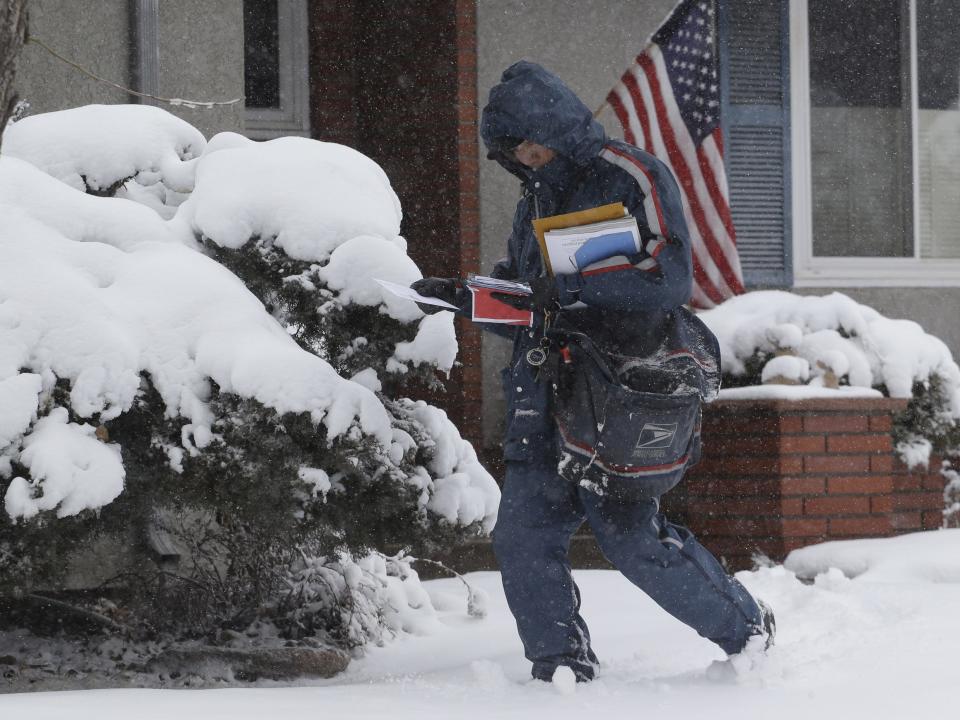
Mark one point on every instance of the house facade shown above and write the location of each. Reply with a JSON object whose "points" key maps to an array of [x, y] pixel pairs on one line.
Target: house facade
{"points": [[172, 48], [841, 123], [841, 136]]}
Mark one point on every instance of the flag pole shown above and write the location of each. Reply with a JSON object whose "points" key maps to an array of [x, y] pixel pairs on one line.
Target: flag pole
{"points": [[596, 113]]}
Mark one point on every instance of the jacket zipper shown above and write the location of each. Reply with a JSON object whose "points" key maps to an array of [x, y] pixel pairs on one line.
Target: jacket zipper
{"points": [[527, 190]]}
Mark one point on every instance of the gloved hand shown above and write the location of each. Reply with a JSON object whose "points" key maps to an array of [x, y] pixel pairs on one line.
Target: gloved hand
{"points": [[441, 288], [544, 296]]}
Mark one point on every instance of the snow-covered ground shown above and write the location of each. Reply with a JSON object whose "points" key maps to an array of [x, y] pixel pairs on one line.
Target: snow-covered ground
{"points": [[882, 644]]}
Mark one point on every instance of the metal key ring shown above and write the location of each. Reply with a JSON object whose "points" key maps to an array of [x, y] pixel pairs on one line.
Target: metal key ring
{"points": [[537, 356]]}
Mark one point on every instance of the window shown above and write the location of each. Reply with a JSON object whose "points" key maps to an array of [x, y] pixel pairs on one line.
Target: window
{"points": [[876, 142], [938, 128], [261, 54], [276, 73]]}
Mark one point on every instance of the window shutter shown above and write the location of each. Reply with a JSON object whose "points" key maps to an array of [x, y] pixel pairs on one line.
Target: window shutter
{"points": [[754, 68]]}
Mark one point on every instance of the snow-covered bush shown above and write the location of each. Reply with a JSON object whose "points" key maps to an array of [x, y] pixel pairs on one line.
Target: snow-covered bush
{"points": [[215, 351], [308, 226], [350, 601], [135, 151], [775, 335]]}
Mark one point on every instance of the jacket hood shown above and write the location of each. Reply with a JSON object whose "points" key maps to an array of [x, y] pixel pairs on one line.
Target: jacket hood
{"points": [[531, 103]]}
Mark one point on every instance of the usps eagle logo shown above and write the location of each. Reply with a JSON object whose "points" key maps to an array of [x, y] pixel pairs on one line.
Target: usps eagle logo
{"points": [[656, 435]]}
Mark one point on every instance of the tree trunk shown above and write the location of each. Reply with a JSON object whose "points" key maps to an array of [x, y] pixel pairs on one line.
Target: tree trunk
{"points": [[13, 33]]}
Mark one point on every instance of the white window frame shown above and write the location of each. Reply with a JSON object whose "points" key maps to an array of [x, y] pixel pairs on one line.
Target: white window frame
{"points": [[293, 59], [808, 269]]}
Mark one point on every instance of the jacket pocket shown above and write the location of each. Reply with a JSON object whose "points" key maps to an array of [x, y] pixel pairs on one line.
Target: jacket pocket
{"points": [[524, 438]]}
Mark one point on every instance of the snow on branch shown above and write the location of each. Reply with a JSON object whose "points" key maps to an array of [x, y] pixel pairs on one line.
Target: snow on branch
{"points": [[831, 346], [835, 335], [175, 298]]}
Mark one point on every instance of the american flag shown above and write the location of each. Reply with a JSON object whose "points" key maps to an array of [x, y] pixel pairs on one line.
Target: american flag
{"points": [[668, 102]]}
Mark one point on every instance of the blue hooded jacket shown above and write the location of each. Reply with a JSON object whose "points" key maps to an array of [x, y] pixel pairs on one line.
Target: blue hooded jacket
{"points": [[634, 311]]}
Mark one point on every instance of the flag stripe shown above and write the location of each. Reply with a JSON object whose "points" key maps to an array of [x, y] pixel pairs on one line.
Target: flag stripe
{"points": [[719, 206], [720, 228], [712, 149], [711, 163], [706, 273], [705, 293], [614, 101], [627, 116], [714, 285], [668, 103], [684, 171], [633, 91], [699, 171], [699, 298]]}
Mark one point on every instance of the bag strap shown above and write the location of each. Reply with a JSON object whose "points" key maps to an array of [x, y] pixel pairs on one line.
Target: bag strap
{"points": [[584, 342]]}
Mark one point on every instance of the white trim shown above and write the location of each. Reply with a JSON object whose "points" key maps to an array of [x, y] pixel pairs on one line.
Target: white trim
{"points": [[811, 271], [146, 26], [293, 115], [801, 193], [914, 128], [877, 272]]}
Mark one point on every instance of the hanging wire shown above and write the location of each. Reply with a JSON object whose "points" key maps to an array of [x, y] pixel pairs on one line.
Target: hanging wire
{"points": [[176, 102]]}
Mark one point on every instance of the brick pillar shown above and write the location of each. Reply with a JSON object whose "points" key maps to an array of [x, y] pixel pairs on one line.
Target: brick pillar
{"points": [[398, 82], [778, 475], [469, 208], [333, 71], [917, 502]]}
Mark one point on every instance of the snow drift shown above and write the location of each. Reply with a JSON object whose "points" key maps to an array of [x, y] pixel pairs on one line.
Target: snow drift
{"points": [[832, 333]]}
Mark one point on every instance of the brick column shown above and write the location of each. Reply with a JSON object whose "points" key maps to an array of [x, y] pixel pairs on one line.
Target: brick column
{"points": [[917, 502], [778, 475], [398, 82], [334, 79], [468, 154]]}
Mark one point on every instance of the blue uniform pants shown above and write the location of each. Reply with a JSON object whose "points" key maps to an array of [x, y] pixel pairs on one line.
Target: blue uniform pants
{"points": [[540, 512]]}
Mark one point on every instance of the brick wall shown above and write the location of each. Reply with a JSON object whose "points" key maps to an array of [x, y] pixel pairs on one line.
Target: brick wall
{"points": [[779, 475]]}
